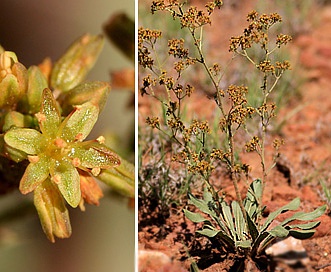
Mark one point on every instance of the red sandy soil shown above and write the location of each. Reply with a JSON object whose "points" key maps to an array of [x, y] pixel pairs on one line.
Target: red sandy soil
{"points": [[305, 159]]}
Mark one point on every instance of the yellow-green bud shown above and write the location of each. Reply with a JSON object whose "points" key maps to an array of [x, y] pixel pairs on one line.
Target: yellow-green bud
{"points": [[13, 80], [72, 67]]}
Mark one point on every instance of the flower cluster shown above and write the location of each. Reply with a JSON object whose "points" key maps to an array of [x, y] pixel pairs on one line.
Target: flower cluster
{"points": [[47, 113]]}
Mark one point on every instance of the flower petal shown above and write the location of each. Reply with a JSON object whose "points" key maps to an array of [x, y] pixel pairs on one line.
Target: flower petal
{"points": [[65, 175], [49, 117], [80, 122], [27, 140], [34, 174], [92, 154], [53, 214]]}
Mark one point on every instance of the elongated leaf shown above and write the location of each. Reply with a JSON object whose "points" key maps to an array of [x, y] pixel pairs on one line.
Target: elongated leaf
{"points": [[306, 216], [239, 220], [293, 205], [208, 232], [253, 231], [302, 234], [194, 217], [229, 220], [200, 204], [279, 232], [306, 226], [244, 244], [253, 198]]}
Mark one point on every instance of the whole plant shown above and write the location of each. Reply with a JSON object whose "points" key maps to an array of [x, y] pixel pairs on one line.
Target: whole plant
{"points": [[237, 226]]}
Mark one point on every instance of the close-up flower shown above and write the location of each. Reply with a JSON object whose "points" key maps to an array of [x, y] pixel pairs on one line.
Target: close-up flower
{"points": [[58, 156]]}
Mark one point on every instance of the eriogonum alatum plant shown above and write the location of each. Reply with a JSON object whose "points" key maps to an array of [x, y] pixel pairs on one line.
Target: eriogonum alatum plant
{"points": [[46, 115]]}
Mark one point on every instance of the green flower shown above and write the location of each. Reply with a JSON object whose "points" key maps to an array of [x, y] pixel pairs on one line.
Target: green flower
{"points": [[58, 150], [60, 162]]}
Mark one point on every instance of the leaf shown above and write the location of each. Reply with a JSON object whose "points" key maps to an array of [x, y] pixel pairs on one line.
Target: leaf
{"points": [[34, 175], [78, 125], [53, 214], [252, 228], [279, 232], [229, 220], [306, 226], [200, 204], [27, 140], [65, 175], [306, 216], [194, 217], [244, 244], [301, 234], [253, 198], [239, 220], [208, 232], [293, 205]]}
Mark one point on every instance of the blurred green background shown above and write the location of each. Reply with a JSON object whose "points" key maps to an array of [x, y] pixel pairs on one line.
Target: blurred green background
{"points": [[103, 237]]}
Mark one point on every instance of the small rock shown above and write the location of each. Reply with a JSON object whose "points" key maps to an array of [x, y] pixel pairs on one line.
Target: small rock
{"points": [[289, 251]]}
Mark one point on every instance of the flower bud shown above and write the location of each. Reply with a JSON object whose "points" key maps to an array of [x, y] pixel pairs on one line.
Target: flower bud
{"points": [[37, 83], [96, 92], [53, 214], [13, 80], [16, 119], [120, 178], [72, 67]]}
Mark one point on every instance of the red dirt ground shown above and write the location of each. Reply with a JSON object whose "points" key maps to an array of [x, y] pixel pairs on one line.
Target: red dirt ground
{"points": [[306, 157]]}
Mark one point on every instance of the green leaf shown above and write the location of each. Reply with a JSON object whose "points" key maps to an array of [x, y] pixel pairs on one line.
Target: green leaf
{"points": [[229, 220], [244, 244], [200, 204], [306, 216], [53, 214], [302, 234], [253, 231], [239, 220], [194, 217], [253, 198], [293, 205], [279, 232], [65, 175], [49, 117], [78, 125], [27, 140], [306, 226], [34, 174], [208, 232]]}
